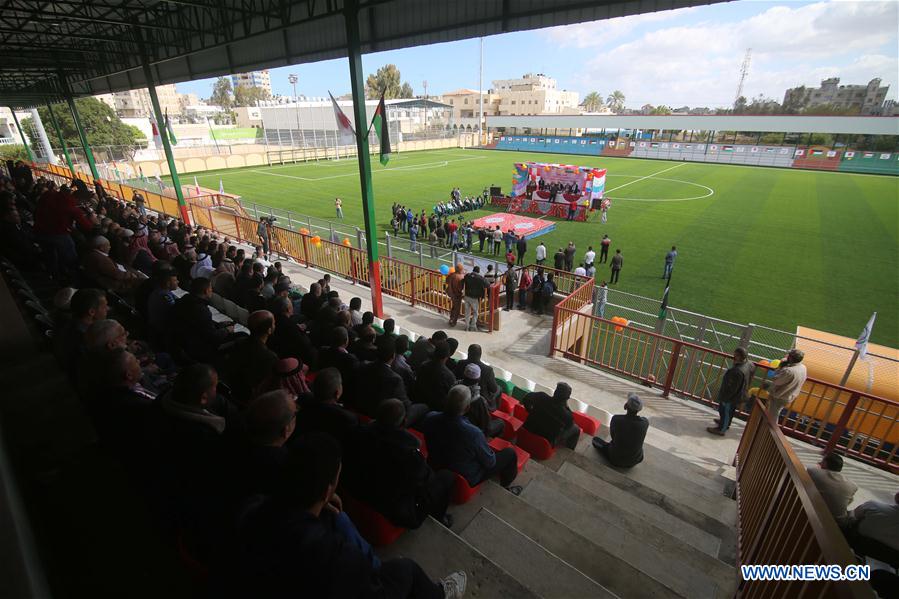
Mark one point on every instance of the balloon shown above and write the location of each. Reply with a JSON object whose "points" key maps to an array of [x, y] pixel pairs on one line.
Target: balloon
{"points": [[775, 363], [304, 231], [316, 241], [444, 269], [764, 363], [346, 241]]}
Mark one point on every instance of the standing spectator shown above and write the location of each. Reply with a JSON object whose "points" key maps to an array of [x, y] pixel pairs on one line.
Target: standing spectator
{"points": [[734, 386], [432, 243], [263, 233], [497, 240], [628, 431], [542, 299], [617, 263], [453, 234], [458, 445], [602, 298], [413, 235], [589, 259], [670, 257], [455, 284], [541, 254], [559, 259], [836, 491], [468, 232], [524, 283], [475, 289], [511, 281], [482, 236], [338, 206], [522, 247], [550, 417], [569, 256], [509, 240], [787, 382], [604, 249]]}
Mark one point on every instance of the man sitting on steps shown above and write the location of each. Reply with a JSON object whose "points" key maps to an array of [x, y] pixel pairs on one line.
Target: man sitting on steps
{"points": [[628, 431]]}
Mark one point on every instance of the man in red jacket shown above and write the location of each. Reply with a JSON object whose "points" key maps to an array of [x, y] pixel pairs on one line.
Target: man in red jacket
{"points": [[54, 217]]}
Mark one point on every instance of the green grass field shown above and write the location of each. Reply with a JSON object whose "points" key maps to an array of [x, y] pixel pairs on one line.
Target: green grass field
{"points": [[770, 246]]}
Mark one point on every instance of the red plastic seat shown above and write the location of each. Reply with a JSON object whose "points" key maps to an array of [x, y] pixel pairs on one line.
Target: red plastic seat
{"points": [[537, 446], [372, 525], [588, 424], [511, 424], [520, 412], [521, 456], [463, 492], [310, 377], [421, 437], [507, 403]]}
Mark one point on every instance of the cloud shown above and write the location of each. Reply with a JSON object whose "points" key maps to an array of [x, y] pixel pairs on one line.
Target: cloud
{"points": [[600, 33], [699, 64]]}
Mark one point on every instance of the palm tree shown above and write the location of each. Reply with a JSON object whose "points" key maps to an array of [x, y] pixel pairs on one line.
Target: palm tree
{"points": [[615, 101], [593, 102]]}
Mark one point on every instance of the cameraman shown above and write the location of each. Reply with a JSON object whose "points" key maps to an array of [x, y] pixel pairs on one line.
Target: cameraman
{"points": [[264, 233]]}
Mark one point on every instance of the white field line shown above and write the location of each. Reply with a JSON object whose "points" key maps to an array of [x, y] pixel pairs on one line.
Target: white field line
{"points": [[408, 167], [608, 191]]}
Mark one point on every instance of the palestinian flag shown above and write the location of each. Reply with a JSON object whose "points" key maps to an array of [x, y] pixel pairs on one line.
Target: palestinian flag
{"points": [[816, 152], [663, 309], [383, 130], [727, 148]]}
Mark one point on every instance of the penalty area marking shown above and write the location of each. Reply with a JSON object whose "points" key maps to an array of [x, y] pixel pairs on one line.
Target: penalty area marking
{"points": [[408, 167], [709, 192]]}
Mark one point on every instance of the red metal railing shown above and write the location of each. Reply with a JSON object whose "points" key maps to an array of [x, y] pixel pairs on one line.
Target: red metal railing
{"points": [[782, 518], [858, 424]]}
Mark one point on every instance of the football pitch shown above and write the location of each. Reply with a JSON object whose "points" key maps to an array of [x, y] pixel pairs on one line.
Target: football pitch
{"points": [[770, 246]]}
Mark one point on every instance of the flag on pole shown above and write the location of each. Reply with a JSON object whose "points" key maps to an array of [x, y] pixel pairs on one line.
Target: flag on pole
{"points": [[663, 309], [143, 177], [157, 139], [861, 344], [169, 130], [221, 187], [344, 126], [196, 185], [159, 182], [383, 130]]}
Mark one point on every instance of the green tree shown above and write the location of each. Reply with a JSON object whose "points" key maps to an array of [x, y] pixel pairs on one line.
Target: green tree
{"points": [[387, 81], [249, 95], [795, 100], [660, 110], [221, 93], [593, 101], [102, 126], [830, 110], [615, 101], [740, 105], [14, 152]]}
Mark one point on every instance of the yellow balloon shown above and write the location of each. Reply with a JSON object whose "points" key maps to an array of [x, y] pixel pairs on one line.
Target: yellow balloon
{"points": [[775, 363]]}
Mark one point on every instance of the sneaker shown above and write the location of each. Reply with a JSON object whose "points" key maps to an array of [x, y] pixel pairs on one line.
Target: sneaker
{"points": [[715, 431], [454, 585], [515, 489], [447, 520]]}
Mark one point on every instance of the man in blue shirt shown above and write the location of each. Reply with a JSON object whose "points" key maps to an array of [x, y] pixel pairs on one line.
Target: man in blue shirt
{"points": [[456, 444], [670, 257]]}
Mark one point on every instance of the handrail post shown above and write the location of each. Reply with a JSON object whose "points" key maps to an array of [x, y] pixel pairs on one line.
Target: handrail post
{"points": [[412, 284], [305, 249], [840, 427], [672, 366], [552, 339]]}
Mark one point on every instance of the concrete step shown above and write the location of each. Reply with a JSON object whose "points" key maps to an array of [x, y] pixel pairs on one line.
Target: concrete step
{"points": [[712, 474], [608, 494], [721, 523], [440, 552], [530, 559], [674, 478], [603, 565], [682, 568]]}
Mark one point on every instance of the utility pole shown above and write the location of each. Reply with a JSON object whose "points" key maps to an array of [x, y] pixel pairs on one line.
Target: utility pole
{"points": [[425, 84], [481, 94], [744, 72], [293, 79]]}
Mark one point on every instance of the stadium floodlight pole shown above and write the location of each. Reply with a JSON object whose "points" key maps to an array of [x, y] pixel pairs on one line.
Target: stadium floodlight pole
{"points": [[22, 134], [62, 140], [481, 96], [354, 52], [293, 79], [161, 124]]}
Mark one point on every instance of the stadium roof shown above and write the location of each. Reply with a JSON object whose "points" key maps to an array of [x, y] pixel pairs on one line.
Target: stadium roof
{"points": [[96, 45], [860, 125]]}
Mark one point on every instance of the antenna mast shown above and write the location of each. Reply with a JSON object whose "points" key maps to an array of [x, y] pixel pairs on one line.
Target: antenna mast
{"points": [[744, 72]]}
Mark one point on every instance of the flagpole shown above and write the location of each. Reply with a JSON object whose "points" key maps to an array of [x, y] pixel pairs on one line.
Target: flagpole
{"points": [[849, 368], [861, 348]]}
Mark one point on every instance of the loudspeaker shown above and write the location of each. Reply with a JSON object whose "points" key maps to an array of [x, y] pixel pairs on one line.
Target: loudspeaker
{"points": [[496, 191]]}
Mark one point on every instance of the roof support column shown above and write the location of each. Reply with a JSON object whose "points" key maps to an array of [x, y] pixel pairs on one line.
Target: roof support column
{"points": [[164, 134], [22, 134], [351, 16], [83, 136], [62, 141]]}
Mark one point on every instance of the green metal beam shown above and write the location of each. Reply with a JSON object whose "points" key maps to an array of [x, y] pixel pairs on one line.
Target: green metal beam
{"points": [[89, 154], [62, 141], [22, 133], [351, 16]]}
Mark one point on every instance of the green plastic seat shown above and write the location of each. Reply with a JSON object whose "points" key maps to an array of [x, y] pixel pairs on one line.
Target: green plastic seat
{"points": [[506, 386], [519, 393]]}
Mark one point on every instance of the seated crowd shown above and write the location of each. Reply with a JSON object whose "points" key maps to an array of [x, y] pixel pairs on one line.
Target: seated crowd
{"points": [[243, 442]]}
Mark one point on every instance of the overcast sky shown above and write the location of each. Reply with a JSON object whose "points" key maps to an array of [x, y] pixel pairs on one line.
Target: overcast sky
{"points": [[681, 57]]}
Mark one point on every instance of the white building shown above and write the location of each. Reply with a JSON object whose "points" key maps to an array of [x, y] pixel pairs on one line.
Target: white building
{"points": [[260, 79], [135, 103], [534, 94], [198, 113], [249, 116], [9, 133], [867, 99]]}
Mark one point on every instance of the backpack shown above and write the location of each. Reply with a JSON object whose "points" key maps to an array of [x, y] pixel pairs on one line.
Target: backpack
{"points": [[547, 289]]}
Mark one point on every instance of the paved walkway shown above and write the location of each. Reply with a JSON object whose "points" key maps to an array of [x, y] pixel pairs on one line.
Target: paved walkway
{"points": [[521, 347]]}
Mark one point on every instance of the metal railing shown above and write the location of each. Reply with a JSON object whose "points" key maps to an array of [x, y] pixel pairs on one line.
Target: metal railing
{"points": [[782, 518], [860, 425]]}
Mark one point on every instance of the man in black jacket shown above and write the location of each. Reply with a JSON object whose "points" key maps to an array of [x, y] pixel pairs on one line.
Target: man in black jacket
{"points": [[381, 383], [193, 330], [475, 289], [434, 380], [250, 367], [522, 246], [324, 414], [628, 431], [490, 391], [734, 389], [387, 470], [423, 348], [289, 340], [337, 356], [550, 417]]}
